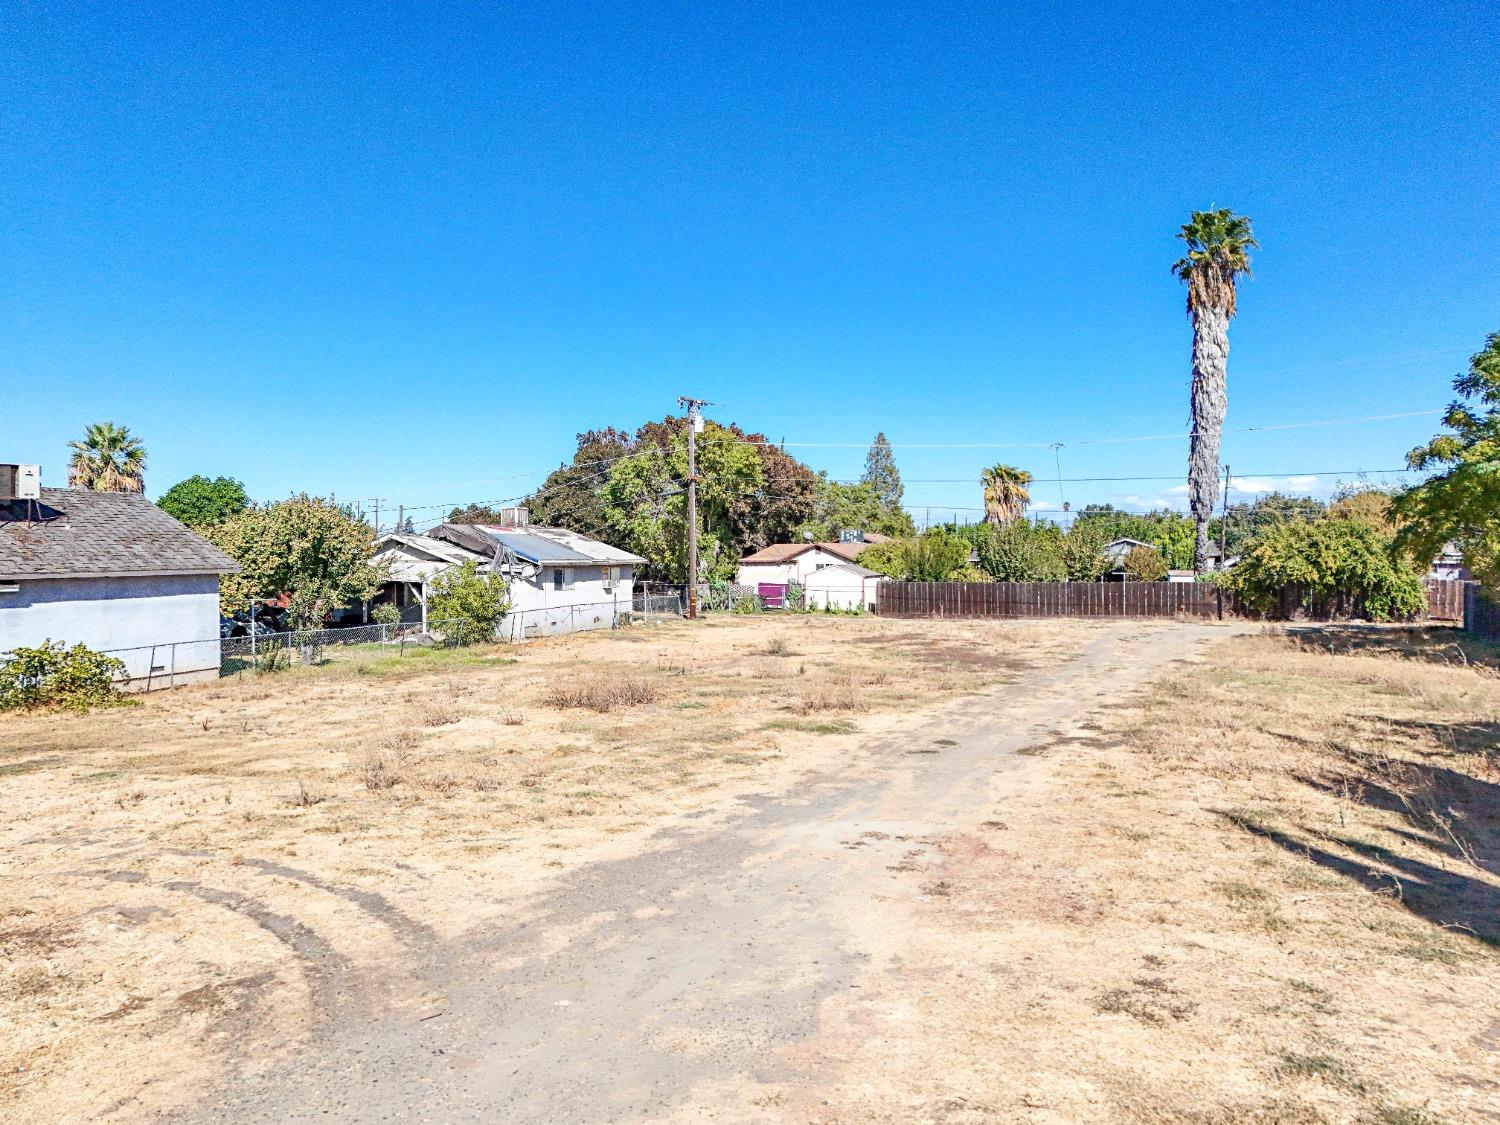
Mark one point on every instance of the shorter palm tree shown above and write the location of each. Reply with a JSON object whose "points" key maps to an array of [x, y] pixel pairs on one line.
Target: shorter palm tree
{"points": [[1006, 493], [108, 459]]}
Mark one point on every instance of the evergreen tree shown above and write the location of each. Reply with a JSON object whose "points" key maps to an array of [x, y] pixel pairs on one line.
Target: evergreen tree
{"points": [[881, 473]]}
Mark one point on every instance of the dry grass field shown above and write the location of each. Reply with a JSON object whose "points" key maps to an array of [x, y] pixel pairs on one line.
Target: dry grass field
{"points": [[195, 871], [1265, 890], [1267, 893]]}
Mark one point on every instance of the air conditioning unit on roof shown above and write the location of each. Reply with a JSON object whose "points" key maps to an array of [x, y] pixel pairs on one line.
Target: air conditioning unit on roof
{"points": [[20, 482]]}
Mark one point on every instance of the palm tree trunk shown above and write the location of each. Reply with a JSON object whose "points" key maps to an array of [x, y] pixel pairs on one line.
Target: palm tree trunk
{"points": [[1210, 365]]}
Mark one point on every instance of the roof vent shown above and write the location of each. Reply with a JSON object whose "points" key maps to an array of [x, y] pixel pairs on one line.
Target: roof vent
{"points": [[514, 517], [20, 482]]}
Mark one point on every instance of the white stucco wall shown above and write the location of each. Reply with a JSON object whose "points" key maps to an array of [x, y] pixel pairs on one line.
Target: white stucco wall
{"points": [[840, 588], [797, 570], [539, 610], [752, 574], [142, 615]]}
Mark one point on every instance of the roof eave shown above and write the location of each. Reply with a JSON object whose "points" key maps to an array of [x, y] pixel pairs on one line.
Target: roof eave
{"points": [[34, 576]]}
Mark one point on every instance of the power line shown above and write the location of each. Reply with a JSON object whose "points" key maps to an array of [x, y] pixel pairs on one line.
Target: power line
{"points": [[1092, 441]]}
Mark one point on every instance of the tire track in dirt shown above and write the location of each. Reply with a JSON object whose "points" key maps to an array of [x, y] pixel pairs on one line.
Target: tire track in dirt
{"points": [[676, 979]]}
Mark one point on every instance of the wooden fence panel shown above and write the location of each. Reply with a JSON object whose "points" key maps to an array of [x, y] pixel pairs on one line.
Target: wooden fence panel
{"points": [[1445, 599], [1046, 599]]}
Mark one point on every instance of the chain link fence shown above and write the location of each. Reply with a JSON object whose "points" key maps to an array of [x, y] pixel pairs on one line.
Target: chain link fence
{"points": [[175, 663]]}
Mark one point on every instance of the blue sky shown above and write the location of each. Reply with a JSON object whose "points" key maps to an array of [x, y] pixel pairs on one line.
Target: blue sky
{"points": [[411, 253]]}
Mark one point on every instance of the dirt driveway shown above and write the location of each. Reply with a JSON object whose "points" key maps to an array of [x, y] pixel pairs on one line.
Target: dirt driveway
{"points": [[686, 981]]}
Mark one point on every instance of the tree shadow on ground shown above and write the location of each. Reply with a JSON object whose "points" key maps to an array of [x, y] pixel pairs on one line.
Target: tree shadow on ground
{"points": [[1440, 810], [1432, 644]]}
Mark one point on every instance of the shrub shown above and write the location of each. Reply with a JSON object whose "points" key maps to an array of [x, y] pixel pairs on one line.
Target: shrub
{"points": [[1329, 568], [1022, 552], [469, 602], [55, 676], [1145, 564], [385, 614], [933, 557]]}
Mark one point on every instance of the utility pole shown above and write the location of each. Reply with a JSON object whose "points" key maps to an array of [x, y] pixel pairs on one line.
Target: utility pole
{"points": [[377, 517], [1224, 520], [400, 517], [695, 424]]}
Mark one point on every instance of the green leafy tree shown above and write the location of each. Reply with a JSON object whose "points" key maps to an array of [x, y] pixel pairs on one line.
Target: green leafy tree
{"points": [[470, 603], [1006, 493], [1169, 532], [1083, 556], [1460, 503], [852, 505], [571, 496], [1365, 502], [882, 475], [475, 513], [1328, 568], [305, 548], [1023, 552], [1145, 564], [1218, 254], [200, 502], [1246, 520], [645, 500], [580, 496], [107, 459], [937, 556]]}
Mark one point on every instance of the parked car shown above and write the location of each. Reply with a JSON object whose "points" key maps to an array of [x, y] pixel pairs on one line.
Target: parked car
{"points": [[237, 627]]}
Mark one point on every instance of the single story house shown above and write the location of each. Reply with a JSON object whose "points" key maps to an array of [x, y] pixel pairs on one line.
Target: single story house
{"points": [[559, 581], [410, 562], [1116, 550], [1449, 565], [842, 586], [783, 563], [112, 571]]}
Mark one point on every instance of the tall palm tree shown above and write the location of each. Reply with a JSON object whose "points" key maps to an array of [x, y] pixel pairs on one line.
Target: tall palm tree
{"points": [[1218, 245], [108, 459], [1006, 493]]}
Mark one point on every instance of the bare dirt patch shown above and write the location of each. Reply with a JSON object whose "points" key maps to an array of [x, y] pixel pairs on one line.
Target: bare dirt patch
{"points": [[1270, 892], [195, 878]]}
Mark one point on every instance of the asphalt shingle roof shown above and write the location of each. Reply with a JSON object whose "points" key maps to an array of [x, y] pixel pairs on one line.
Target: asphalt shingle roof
{"points": [[77, 533], [786, 552]]}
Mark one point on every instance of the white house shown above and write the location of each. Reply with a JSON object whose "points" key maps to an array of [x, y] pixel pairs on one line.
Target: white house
{"points": [[842, 586], [112, 571], [783, 563], [559, 581], [412, 561]]}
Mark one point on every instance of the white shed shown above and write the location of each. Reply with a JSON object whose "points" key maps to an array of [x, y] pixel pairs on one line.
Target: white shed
{"points": [[842, 586], [112, 571]]}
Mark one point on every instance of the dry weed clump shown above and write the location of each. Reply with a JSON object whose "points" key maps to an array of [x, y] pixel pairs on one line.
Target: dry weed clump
{"points": [[845, 692], [437, 713], [383, 765], [604, 694]]}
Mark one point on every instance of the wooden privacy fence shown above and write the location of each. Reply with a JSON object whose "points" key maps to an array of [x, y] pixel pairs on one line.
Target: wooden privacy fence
{"points": [[1049, 599], [1446, 599]]}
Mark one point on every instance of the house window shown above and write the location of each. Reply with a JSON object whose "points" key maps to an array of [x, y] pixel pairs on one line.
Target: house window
{"points": [[559, 579]]}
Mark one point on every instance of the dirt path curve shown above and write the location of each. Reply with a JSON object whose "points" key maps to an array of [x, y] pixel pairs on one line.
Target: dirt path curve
{"points": [[674, 981]]}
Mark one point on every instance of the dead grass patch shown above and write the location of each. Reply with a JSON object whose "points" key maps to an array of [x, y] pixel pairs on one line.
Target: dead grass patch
{"points": [[604, 695], [1267, 891], [444, 818]]}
